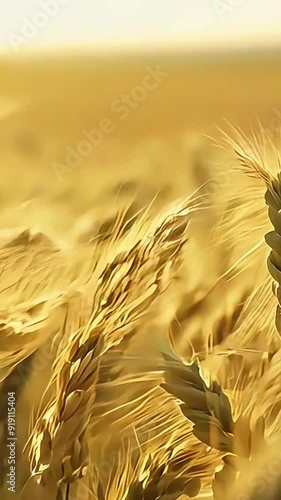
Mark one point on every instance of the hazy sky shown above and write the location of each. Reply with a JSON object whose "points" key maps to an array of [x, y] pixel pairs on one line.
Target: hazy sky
{"points": [[23, 23]]}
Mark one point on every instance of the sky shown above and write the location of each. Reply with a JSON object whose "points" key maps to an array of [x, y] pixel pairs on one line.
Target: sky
{"points": [[31, 24]]}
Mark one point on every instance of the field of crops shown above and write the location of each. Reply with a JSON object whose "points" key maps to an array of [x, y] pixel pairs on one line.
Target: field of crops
{"points": [[140, 265]]}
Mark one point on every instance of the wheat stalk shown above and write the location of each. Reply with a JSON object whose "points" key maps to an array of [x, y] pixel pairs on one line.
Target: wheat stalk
{"points": [[117, 306]]}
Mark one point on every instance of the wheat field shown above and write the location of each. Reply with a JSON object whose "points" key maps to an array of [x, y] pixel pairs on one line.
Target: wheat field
{"points": [[140, 257]]}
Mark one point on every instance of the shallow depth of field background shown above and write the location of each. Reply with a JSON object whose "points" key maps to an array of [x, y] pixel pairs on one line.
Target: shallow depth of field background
{"points": [[47, 102], [223, 63]]}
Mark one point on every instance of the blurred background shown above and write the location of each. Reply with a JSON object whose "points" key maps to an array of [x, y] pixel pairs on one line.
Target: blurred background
{"points": [[102, 97]]}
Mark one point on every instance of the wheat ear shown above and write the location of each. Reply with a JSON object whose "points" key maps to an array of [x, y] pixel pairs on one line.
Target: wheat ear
{"points": [[125, 287]]}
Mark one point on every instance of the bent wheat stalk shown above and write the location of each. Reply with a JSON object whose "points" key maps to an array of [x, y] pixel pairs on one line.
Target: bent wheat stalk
{"points": [[124, 288]]}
